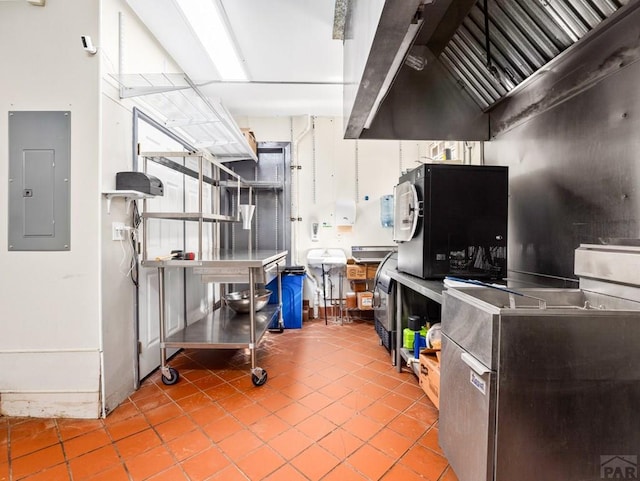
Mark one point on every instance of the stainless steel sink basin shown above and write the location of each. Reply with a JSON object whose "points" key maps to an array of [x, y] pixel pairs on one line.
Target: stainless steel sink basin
{"points": [[479, 316], [554, 299]]}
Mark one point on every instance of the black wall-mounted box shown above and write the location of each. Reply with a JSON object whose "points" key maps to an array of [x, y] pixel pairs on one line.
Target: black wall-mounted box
{"points": [[139, 181]]}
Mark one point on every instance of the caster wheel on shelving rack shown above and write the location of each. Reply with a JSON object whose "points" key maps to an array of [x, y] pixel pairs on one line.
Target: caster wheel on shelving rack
{"points": [[279, 329], [259, 376], [172, 379]]}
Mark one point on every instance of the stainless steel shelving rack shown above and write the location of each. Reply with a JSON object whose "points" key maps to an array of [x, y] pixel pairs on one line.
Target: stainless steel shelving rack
{"points": [[431, 289], [202, 215], [223, 328], [367, 256]]}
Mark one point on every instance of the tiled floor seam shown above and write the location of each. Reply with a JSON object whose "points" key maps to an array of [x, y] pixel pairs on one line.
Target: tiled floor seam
{"points": [[176, 462], [64, 452], [9, 457], [314, 387], [214, 444]]}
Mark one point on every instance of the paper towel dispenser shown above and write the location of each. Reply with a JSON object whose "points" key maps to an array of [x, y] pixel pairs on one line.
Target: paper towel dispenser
{"points": [[345, 212], [139, 181]]}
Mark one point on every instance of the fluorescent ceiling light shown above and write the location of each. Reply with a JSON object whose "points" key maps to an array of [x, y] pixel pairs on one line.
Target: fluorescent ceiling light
{"points": [[209, 22]]}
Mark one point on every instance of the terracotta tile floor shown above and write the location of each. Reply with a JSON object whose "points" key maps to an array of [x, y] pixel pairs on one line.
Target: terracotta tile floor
{"points": [[333, 408]]}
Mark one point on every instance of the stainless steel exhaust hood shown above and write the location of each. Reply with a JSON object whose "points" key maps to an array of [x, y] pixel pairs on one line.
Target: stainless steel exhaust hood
{"points": [[433, 69]]}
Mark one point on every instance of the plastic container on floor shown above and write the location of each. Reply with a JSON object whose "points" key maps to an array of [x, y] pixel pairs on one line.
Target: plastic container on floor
{"points": [[292, 285], [419, 343]]}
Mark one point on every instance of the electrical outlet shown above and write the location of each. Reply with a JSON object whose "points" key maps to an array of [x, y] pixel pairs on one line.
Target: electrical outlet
{"points": [[117, 231]]}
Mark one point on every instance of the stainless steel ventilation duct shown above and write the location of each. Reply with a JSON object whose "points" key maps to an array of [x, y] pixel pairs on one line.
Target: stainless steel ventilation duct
{"points": [[472, 53]]}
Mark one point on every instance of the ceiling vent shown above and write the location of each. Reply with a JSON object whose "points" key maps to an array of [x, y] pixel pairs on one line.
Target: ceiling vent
{"points": [[436, 69], [501, 43]]}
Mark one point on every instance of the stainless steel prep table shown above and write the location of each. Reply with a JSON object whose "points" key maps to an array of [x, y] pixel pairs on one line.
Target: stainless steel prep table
{"points": [[223, 328], [431, 289]]}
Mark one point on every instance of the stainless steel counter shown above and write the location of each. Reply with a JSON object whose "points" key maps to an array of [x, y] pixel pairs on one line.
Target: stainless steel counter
{"points": [[225, 258], [545, 378], [431, 289], [223, 328]]}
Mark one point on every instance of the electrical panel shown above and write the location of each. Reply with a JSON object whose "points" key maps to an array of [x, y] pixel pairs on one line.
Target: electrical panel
{"points": [[39, 180]]}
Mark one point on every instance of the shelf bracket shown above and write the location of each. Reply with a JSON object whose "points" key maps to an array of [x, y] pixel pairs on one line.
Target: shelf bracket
{"points": [[128, 195]]}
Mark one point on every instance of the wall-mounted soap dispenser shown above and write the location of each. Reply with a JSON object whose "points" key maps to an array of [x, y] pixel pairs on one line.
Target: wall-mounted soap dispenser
{"points": [[315, 227]]}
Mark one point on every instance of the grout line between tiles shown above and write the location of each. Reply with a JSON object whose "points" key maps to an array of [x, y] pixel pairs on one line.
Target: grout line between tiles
{"points": [[369, 364]]}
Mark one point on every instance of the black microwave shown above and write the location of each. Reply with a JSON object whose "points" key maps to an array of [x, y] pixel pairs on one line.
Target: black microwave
{"points": [[451, 220]]}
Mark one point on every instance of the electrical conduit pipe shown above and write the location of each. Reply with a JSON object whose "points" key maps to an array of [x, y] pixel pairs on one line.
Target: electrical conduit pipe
{"points": [[295, 181]]}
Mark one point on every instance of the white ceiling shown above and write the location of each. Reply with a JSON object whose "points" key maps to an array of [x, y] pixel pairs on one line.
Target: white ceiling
{"points": [[294, 65]]}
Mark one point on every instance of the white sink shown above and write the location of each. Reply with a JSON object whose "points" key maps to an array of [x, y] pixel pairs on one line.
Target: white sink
{"points": [[326, 257], [324, 266]]}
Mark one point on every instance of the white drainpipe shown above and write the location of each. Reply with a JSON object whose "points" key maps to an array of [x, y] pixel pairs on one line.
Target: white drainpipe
{"points": [[295, 180]]}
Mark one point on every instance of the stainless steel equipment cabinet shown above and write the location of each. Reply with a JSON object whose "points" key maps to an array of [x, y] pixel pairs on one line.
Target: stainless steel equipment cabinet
{"points": [[545, 385], [224, 328], [384, 302]]}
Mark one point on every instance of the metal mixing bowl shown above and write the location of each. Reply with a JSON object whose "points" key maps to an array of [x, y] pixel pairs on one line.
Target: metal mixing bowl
{"points": [[240, 301]]}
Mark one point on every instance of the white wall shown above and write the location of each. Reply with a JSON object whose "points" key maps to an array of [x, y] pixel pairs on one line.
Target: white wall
{"points": [[362, 171], [140, 54], [335, 178], [49, 336], [315, 190], [63, 311], [379, 164]]}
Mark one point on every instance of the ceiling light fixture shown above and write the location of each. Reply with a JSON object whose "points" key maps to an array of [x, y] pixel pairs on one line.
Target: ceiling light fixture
{"points": [[210, 24]]}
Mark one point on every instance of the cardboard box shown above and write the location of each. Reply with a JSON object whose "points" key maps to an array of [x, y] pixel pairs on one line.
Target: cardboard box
{"points": [[351, 300], [365, 300], [356, 271], [430, 377], [371, 271], [251, 139], [358, 285]]}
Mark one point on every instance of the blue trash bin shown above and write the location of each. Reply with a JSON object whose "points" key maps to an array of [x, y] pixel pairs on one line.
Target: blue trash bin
{"points": [[292, 285]]}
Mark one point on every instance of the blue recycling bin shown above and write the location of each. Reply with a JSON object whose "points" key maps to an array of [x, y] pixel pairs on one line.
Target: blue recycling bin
{"points": [[292, 285]]}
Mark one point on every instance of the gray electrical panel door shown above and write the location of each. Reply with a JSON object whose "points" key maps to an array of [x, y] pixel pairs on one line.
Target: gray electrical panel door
{"points": [[39, 168]]}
